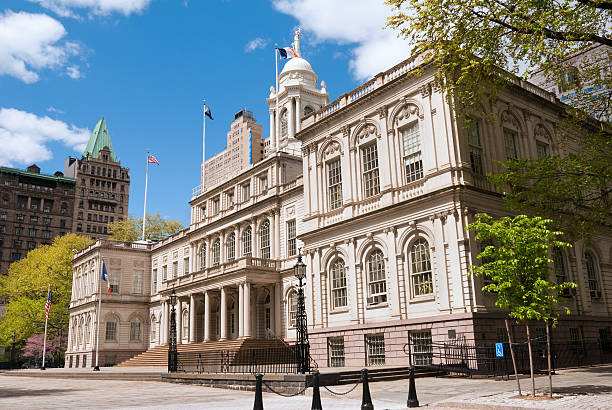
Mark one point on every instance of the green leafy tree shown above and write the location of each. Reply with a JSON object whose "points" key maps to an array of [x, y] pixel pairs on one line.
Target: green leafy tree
{"points": [[25, 289], [469, 41], [130, 229], [518, 264]]}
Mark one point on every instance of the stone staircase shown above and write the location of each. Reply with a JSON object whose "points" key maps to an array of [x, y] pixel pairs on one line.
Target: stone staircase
{"points": [[158, 356]]}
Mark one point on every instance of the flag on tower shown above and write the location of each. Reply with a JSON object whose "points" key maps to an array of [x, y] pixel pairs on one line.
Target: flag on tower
{"points": [[48, 304], [105, 279], [286, 52], [207, 112], [152, 160]]}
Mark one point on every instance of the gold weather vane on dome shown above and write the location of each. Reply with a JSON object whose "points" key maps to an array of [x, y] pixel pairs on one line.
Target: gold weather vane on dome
{"points": [[296, 41]]}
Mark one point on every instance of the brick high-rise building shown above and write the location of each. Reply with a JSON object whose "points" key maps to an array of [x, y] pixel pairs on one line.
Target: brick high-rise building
{"points": [[35, 208], [102, 185]]}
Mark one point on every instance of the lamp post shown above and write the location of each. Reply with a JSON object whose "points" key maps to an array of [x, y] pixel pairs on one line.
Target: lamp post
{"points": [[172, 353], [303, 346]]}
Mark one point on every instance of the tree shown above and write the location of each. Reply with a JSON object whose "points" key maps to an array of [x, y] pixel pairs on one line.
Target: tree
{"points": [[54, 348], [130, 229], [516, 260], [470, 41], [25, 288]]}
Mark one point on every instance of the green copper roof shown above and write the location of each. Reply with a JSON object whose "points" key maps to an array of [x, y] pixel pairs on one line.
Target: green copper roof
{"points": [[100, 138]]}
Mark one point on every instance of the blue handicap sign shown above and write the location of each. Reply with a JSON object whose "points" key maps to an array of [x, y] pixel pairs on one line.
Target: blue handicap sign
{"points": [[499, 350]]}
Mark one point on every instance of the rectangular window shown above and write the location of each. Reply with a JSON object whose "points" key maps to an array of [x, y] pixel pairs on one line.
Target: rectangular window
{"points": [[375, 349], [291, 241], [186, 266], [164, 273], [230, 199], [475, 147], [114, 281], [576, 344], [46, 234], [137, 283], [246, 192], [541, 149], [413, 161], [174, 269], [135, 330], [111, 330], [263, 183], [335, 351], [422, 353], [371, 184], [154, 281], [334, 187], [215, 206], [510, 144]]}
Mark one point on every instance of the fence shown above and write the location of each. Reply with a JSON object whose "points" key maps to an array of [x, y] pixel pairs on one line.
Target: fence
{"points": [[282, 359], [463, 358]]}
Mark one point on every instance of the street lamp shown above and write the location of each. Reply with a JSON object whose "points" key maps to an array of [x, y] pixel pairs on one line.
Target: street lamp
{"points": [[303, 346], [172, 352]]}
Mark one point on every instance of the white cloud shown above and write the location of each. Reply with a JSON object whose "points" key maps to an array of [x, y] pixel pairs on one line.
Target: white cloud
{"points": [[255, 44], [30, 43], [74, 72], [67, 8], [353, 22], [55, 110], [24, 137]]}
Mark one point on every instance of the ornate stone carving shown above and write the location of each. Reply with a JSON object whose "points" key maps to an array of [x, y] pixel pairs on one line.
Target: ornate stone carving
{"points": [[425, 90], [435, 86], [382, 113], [331, 149], [346, 131], [509, 118], [366, 132], [407, 111]]}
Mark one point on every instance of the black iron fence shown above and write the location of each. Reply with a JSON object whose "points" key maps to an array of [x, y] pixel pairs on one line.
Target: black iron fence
{"points": [[281, 359], [464, 358]]}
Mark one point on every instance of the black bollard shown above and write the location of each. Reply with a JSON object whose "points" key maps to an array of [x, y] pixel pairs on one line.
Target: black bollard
{"points": [[412, 396], [258, 405], [366, 399], [316, 394]]}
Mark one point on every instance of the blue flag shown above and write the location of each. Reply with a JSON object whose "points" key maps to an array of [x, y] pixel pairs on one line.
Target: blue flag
{"points": [[105, 278]]}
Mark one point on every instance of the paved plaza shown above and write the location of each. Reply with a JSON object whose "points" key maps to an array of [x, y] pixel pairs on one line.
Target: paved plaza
{"points": [[589, 388]]}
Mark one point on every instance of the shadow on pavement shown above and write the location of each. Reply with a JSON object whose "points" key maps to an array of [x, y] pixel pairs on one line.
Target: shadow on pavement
{"points": [[583, 389], [5, 393]]}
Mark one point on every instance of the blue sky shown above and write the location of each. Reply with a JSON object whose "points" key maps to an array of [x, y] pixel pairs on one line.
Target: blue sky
{"points": [[145, 65]]}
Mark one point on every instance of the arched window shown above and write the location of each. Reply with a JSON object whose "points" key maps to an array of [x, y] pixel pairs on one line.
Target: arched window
{"points": [[153, 329], [203, 256], [592, 275], [411, 144], [111, 329], [246, 241], [283, 123], [369, 167], [135, 329], [292, 308], [338, 284], [231, 247], [264, 239], [511, 131], [185, 322], [559, 264], [475, 146], [377, 284], [420, 268], [216, 250], [307, 110], [88, 331]]}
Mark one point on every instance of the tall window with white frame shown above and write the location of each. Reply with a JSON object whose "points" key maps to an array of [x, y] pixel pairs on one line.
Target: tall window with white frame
{"points": [[153, 329], [114, 281], [231, 247], [338, 285], [135, 328], [334, 184], [264, 239], [154, 281], [185, 333], [413, 161], [371, 183], [377, 284], [510, 141], [137, 283], [216, 251], [475, 147], [559, 264], [246, 241], [111, 329], [292, 308], [592, 275], [420, 271], [291, 238], [202, 256]]}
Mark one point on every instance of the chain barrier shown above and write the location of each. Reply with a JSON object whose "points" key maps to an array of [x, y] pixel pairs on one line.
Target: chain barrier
{"points": [[346, 392], [282, 394]]}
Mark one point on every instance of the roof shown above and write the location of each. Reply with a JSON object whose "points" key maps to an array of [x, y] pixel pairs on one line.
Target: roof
{"points": [[16, 171], [99, 139]]}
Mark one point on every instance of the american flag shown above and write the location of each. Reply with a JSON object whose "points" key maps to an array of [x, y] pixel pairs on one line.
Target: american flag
{"points": [[47, 305], [152, 159]]}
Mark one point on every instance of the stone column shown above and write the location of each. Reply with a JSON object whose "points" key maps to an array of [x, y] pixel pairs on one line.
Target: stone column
{"points": [[236, 324], [291, 118], [222, 255], [298, 115], [240, 310], [277, 235], [247, 309], [192, 319], [253, 238], [167, 322], [223, 314], [179, 322], [272, 127], [277, 309], [206, 316], [273, 247]]}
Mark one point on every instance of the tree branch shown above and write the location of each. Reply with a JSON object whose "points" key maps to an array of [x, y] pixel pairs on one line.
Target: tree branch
{"points": [[604, 5]]}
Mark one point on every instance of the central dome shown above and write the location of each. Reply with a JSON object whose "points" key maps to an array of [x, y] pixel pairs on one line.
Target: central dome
{"points": [[297, 64]]}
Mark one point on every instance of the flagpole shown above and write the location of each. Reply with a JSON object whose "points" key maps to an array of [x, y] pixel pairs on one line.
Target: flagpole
{"points": [[45, 339], [97, 367], [277, 127], [203, 146], [144, 216]]}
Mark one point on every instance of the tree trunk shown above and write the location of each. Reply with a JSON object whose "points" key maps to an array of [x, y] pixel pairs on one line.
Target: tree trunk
{"points": [[518, 382], [530, 361], [549, 358]]}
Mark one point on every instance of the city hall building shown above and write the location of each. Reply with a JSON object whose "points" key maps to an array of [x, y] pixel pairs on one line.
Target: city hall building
{"points": [[375, 189]]}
